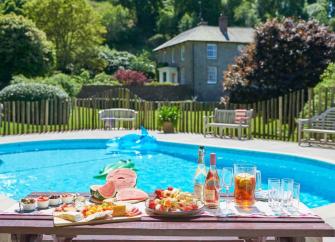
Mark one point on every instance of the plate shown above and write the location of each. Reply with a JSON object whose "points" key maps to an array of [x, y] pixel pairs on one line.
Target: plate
{"points": [[174, 214]]}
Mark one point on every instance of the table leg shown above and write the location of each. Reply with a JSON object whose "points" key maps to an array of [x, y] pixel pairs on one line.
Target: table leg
{"points": [[26, 237], [62, 238]]}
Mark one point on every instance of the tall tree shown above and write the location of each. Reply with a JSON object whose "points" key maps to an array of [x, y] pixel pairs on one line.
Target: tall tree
{"points": [[13, 6], [119, 22], [147, 13], [287, 55], [24, 49], [72, 25]]}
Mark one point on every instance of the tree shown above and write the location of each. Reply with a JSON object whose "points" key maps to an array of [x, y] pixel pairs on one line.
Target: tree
{"points": [[147, 13], [186, 22], [119, 22], [72, 25], [13, 6], [320, 11], [24, 49], [287, 55]]}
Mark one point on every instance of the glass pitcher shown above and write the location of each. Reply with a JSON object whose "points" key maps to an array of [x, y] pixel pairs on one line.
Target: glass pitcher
{"points": [[245, 183]]}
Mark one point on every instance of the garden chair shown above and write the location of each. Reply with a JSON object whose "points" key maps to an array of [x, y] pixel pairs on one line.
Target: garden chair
{"points": [[110, 116], [237, 119], [322, 124]]}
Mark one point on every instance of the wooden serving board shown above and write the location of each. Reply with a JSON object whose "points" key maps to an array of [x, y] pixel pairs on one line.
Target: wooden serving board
{"points": [[59, 222]]}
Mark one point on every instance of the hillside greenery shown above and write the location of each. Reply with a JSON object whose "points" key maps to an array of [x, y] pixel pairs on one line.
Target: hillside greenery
{"points": [[99, 37]]}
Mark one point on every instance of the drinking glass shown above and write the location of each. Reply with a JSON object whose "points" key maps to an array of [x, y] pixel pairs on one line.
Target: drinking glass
{"points": [[245, 183], [296, 195], [226, 183], [286, 192], [258, 181], [274, 193]]}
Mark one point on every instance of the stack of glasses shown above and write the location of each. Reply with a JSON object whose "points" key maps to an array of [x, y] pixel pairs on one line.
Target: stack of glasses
{"points": [[283, 194]]}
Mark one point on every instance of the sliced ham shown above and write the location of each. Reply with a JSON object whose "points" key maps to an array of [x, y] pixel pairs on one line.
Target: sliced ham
{"points": [[122, 178], [127, 194]]}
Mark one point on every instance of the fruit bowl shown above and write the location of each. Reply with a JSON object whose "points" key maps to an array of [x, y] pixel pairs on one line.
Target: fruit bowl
{"points": [[190, 213], [173, 203]]}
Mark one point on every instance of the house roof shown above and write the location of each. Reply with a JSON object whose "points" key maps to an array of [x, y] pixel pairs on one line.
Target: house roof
{"points": [[211, 33]]}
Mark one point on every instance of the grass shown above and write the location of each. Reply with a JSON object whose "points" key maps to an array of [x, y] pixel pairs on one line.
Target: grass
{"points": [[82, 118]]}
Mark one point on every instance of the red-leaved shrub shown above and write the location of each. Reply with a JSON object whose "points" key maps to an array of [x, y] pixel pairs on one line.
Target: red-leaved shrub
{"points": [[130, 77]]}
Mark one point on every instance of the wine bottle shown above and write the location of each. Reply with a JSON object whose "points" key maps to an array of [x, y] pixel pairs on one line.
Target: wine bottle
{"points": [[212, 185], [200, 175]]}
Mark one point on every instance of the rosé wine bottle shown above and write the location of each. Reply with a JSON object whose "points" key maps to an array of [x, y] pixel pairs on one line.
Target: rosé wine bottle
{"points": [[212, 185]]}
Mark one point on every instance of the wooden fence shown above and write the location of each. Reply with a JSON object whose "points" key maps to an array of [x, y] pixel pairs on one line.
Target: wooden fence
{"points": [[273, 119]]}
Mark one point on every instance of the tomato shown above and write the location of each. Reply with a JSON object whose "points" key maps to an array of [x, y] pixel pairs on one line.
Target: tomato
{"points": [[170, 188]]}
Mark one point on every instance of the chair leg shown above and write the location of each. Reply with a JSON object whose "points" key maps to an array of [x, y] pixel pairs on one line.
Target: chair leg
{"points": [[299, 135]]}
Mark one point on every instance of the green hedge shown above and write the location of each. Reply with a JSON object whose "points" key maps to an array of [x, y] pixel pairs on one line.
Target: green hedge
{"points": [[31, 92]]}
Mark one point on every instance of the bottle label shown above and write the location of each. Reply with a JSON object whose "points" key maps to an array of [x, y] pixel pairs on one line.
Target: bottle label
{"points": [[210, 195], [198, 191]]}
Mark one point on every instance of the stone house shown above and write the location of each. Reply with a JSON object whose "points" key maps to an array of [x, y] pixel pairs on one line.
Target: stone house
{"points": [[198, 57]]}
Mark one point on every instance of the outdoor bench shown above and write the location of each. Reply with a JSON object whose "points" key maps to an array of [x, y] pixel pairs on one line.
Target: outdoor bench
{"points": [[322, 124], [237, 119], [109, 116]]}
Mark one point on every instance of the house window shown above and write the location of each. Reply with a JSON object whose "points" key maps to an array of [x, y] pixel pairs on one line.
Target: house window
{"points": [[182, 53], [172, 56], [182, 76], [212, 75], [211, 51]]}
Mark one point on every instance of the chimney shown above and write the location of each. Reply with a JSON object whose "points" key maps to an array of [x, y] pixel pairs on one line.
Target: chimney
{"points": [[223, 23]]}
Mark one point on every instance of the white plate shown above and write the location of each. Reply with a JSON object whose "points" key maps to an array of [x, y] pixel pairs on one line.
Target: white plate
{"points": [[174, 214]]}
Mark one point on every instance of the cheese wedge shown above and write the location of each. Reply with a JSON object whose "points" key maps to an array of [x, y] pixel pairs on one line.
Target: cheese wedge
{"points": [[119, 210], [70, 216]]}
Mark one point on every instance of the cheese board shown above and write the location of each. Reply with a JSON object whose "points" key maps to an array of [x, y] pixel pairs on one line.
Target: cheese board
{"points": [[60, 222]]}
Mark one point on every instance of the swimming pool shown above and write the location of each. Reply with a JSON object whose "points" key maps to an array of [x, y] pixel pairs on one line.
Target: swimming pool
{"points": [[69, 165]]}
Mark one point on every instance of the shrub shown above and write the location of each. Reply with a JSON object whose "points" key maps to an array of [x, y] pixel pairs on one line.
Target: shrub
{"points": [[286, 56], [104, 79], [31, 92], [168, 114], [24, 49], [159, 84], [70, 84], [131, 78], [142, 63], [124, 60], [115, 59]]}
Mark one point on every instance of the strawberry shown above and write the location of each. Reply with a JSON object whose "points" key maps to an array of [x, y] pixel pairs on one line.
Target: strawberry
{"points": [[152, 204], [159, 193]]}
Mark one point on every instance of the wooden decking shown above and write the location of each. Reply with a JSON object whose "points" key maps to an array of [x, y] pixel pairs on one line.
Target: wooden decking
{"points": [[27, 227]]}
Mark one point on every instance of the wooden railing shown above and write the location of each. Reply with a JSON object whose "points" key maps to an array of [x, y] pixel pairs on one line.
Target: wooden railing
{"points": [[273, 119]]}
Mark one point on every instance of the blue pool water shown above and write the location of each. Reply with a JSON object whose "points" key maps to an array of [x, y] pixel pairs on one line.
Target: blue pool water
{"points": [[70, 166]]}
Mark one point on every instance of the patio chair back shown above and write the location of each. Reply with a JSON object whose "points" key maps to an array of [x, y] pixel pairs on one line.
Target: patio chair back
{"points": [[325, 121], [118, 113], [228, 116]]}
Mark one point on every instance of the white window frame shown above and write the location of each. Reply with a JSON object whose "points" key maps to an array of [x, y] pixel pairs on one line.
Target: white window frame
{"points": [[212, 51], [182, 53], [212, 75]]}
